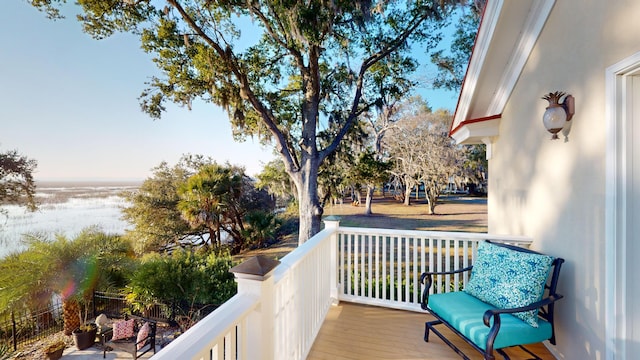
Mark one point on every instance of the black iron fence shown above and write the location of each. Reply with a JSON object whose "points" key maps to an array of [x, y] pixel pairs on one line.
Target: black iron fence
{"points": [[24, 327], [115, 305], [110, 304]]}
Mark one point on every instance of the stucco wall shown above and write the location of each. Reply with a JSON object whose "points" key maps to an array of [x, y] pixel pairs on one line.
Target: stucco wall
{"points": [[555, 191]]}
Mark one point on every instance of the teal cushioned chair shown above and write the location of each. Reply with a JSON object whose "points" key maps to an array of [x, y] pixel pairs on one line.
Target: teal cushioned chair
{"points": [[487, 327]]}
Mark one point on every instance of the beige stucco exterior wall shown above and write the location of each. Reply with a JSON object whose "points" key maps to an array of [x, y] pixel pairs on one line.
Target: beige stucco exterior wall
{"points": [[555, 191]]}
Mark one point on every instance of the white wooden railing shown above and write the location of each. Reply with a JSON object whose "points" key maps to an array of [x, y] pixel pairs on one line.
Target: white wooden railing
{"points": [[277, 315], [382, 266], [305, 287]]}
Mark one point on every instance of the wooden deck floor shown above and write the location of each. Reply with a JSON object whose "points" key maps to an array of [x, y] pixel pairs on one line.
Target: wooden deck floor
{"points": [[354, 332]]}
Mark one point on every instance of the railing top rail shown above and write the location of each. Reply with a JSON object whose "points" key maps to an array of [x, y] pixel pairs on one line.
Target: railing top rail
{"points": [[298, 254], [201, 335], [436, 234]]}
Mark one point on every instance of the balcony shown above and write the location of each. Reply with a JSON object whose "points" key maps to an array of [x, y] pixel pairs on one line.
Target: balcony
{"points": [[303, 306]]}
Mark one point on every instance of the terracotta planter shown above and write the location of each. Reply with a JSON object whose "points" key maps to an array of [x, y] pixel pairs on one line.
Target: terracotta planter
{"points": [[84, 339]]}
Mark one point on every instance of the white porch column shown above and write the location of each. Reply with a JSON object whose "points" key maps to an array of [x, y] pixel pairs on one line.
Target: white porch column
{"points": [[333, 222], [254, 277]]}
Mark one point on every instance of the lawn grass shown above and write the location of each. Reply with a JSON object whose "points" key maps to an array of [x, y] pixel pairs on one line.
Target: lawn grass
{"points": [[464, 214], [468, 214]]}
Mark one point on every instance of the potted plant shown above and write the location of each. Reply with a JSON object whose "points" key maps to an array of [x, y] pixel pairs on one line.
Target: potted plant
{"points": [[54, 349], [85, 335]]}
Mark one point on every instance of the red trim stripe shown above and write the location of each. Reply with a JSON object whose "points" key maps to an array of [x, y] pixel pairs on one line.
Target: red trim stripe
{"points": [[472, 121]]}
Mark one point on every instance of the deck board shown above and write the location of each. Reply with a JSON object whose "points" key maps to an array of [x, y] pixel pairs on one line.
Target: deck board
{"points": [[354, 332]]}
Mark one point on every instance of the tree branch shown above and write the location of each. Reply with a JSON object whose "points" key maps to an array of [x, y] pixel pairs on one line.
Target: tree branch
{"points": [[227, 55], [366, 65]]}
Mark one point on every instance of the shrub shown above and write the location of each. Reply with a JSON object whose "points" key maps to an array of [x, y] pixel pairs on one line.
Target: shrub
{"points": [[181, 280], [261, 227]]}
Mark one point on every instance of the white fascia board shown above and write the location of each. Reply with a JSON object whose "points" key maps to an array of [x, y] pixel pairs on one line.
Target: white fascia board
{"points": [[481, 47]]}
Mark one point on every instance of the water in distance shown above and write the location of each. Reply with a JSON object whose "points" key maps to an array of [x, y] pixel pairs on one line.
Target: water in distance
{"points": [[66, 208]]}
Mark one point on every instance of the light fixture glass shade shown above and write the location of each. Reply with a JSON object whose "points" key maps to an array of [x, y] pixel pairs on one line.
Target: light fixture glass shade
{"points": [[554, 119]]}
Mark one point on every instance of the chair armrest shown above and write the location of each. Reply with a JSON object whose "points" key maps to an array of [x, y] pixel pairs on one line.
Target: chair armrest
{"points": [[106, 334], [468, 268], [427, 276], [495, 313]]}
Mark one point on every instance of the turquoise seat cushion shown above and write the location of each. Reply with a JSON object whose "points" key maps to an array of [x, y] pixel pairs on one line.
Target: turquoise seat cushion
{"points": [[509, 278], [464, 312]]}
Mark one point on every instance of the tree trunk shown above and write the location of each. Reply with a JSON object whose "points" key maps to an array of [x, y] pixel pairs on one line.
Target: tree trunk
{"points": [[367, 209], [433, 201], [310, 210], [305, 174], [213, 240], [310, 214], [407, 195], [70, 311]]}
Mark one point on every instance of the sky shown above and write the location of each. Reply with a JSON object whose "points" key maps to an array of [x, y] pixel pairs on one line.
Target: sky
{"points": [[71, 103]]}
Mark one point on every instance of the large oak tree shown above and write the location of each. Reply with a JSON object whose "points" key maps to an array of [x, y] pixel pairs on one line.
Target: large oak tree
{"points": [[294, 73]]}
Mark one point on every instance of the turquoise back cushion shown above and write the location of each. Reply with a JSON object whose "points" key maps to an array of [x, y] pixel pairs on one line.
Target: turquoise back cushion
{"points": [[508, 278]]}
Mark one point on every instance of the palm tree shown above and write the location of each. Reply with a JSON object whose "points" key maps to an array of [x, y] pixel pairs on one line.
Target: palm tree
{"points": [[210, 199], [71, 269]]}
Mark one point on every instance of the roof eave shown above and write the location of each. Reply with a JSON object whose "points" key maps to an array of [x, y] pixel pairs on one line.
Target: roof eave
{"points": [[482, 96], [477, 131]]}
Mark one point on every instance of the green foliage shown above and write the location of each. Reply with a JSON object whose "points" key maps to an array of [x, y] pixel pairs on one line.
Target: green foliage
{"points": [[218, 198], [274, 179], [182, 279], [261, 227], [452, 65], [210, 197], [16, 180], [333, 176], [72, 268], [191, 204], [158, 224], [371, 171], [476, 164]]}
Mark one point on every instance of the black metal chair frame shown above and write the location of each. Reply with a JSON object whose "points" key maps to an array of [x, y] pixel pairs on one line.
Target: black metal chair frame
{"points": [[546, 310], [131, 344]]}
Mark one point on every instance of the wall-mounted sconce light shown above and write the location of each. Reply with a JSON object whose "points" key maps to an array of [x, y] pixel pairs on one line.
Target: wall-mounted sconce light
{"points": [[558, 115]]}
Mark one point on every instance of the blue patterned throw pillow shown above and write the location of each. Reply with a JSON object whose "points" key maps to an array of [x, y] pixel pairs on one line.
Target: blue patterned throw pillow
{"points": [[508, 278]]}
